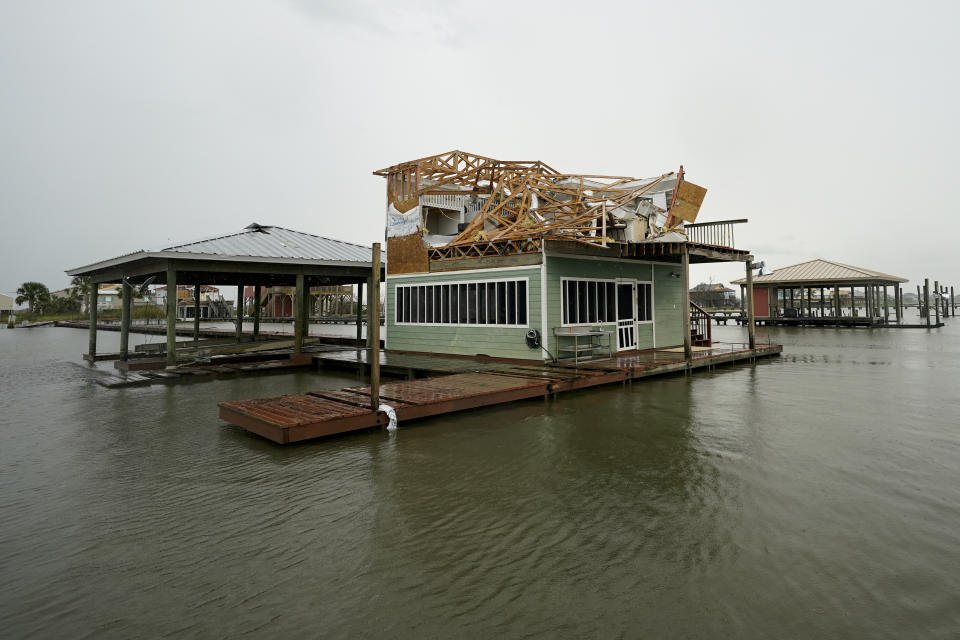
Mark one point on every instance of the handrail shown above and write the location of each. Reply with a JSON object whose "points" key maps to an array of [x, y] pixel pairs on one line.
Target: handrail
{"points": [[718, 234], [700, 319]]}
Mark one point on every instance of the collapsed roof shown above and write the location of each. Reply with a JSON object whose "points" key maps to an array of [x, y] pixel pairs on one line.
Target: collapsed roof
{"points": [[507, 200]]}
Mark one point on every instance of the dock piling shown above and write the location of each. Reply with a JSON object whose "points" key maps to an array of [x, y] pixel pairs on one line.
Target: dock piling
{"points": [[373, 328], [257, 299], [196, 313], [171, 316], [92, 311], [751, 324], [125, 294]]}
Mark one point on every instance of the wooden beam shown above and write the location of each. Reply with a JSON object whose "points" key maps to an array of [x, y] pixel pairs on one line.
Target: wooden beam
{"points": [[926, 298], [936, 299]]}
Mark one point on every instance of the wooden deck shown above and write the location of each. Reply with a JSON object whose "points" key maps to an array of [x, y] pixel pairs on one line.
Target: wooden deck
{"points": [[455, 384]]}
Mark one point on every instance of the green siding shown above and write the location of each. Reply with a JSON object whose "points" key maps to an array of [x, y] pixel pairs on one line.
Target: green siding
{"points": [[667, 293], [501, 342], [668, 305]]}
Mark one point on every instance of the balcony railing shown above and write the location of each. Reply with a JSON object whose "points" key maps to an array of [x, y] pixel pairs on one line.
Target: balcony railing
{"points": [[718, 234]]}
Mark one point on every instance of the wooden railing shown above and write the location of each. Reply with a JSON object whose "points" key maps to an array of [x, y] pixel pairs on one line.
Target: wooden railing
{"points": [[700, 333], [718, 234]]}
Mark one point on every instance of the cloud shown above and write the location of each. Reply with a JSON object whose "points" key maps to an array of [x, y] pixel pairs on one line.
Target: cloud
{"points": [[430, 20]]}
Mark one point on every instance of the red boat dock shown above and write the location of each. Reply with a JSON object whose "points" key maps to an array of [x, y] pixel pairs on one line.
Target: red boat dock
{"points": [[456, 384]]}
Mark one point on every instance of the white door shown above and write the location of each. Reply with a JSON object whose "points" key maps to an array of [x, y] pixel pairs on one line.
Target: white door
{"points": [[626, 316]]}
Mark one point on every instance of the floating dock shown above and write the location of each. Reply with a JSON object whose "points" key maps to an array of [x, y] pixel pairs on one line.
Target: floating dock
{"points": [[455, 384]]}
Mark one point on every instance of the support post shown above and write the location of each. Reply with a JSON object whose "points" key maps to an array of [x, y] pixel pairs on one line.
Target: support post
{"points": [[125, 292], [886, 306], [359, 313], [92, 309], [196, 313], [823, 300], [853, 301], [171, 316], [751, 325], [836, 304], [926, 298], [685, 275], [239, 312], [299, 303], [897, 301], [373, 328], [936, 299], [257, 296], [371, 294], [953, 304]]}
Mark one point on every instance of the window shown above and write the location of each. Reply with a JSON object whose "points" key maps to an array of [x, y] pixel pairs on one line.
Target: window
{"points": [[588, 301], [480, 303], [644, 302]]}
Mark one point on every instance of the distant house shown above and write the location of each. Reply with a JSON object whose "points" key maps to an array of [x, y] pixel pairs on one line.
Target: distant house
{"points": [[6, 305], [714, 296], [212, 304]]}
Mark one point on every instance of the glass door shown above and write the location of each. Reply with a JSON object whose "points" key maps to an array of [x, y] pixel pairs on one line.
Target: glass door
{"points": [[626, 317]]}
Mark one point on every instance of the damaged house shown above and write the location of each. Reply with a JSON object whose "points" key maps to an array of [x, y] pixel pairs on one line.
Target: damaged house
{"points": [[515, 259]]}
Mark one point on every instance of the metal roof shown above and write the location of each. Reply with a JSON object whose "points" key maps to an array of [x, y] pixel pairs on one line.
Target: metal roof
{"points": [[821, 271], [262, 241], [255, 243]]}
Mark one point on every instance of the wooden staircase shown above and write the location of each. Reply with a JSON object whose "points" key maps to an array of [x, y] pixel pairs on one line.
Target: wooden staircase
{"points": [[700, 334]]}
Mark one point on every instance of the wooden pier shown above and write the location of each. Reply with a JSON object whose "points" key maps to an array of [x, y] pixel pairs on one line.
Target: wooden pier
{"points": [[455, 384]]}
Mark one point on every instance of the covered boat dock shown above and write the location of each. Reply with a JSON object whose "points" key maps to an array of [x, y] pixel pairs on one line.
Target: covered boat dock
{"points": [[258, 256], [822, 292]]}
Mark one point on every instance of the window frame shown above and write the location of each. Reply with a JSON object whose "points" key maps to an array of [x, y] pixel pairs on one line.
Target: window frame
{"points": [[479, 285]]}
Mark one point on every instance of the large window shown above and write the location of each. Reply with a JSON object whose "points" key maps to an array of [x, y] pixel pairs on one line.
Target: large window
{"points": [[480, 303], [588, 301]]}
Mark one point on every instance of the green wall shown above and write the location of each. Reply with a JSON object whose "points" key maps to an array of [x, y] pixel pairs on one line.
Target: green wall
{"points": [[502, 342], [667, 295], [508, 342]]}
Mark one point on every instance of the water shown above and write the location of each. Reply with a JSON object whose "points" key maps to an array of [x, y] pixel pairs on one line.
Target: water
{"points": [[814, 495]]}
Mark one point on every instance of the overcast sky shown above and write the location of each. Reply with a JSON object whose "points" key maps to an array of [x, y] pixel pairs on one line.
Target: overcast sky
{"points": [[130, 125]]}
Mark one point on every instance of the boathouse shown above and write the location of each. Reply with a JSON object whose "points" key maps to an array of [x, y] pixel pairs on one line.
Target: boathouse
{"points": [[258, 255], [516, 260], [823, 292]]}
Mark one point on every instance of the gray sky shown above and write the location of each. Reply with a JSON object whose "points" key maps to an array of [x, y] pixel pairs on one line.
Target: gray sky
{"points": [[128, 125]]}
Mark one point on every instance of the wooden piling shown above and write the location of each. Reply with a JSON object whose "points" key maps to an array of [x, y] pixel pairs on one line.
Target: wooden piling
{"points": [[359, 313], [171, 316], [838, 311], [92, 312], [926, 298], [886, 306], [685, 275], [298, 315], [257, 299], [897, 302], [196, 312], [373, 328], [953, 304], [936, 300], [125, 292], [751, 324]]}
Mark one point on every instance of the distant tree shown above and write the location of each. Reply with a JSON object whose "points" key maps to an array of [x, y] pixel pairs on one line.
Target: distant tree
{"points": [[61, 305], [35, 294], [80, 289]]}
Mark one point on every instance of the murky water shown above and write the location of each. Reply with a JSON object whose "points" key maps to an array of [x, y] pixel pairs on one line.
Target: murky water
{"points": [[815, 495]]}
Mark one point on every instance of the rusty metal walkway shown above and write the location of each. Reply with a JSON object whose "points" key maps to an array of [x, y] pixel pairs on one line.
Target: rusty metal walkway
{"points": [[457, 384]]}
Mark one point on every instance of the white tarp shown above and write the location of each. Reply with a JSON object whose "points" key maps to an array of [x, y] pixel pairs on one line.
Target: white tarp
{"points": [[402, 224]]}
